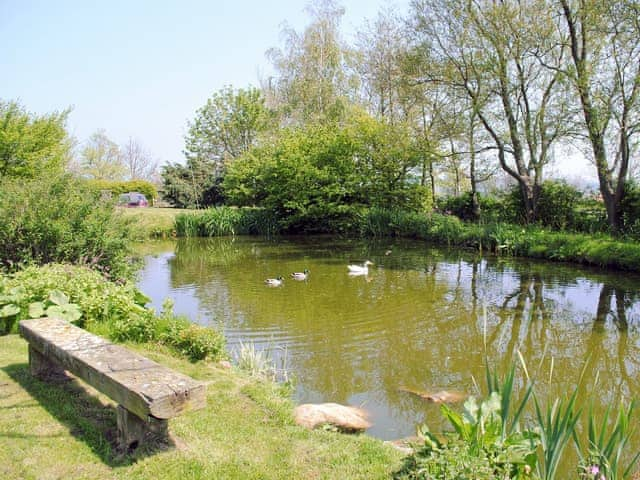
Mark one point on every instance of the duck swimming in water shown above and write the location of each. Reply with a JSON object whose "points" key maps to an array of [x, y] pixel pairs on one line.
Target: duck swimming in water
{"points": [[274, 282], [359, 269], [300, 275]]}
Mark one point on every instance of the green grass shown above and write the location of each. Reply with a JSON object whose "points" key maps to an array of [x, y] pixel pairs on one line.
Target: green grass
{"points": [[66, 430], [152, 222]]}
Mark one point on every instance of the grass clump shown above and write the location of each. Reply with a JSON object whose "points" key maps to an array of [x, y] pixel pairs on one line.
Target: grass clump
{"points": [[224, 221], [117, 311]]}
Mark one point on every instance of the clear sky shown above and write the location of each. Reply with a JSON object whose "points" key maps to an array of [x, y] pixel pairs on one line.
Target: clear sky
{"points": [[142, 68]]}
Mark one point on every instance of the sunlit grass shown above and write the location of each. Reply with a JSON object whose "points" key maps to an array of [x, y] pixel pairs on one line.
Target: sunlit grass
{"points": [[246, 431]]}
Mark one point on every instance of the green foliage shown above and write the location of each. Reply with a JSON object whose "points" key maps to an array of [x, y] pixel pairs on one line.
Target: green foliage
{"points": [[194, 185], [559, 207], [32, 145], [480, 442], [556, 424], [118, 187], [221, 221], [60, 219], [118, 311], [101, 159], [318, 178], [630, 209], [602, 455], [451, 461], [227, 126]]}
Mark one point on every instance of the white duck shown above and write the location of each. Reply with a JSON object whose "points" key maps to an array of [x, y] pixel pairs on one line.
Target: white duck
{"points": [[359, 269], [300, 275], [274, 282]]}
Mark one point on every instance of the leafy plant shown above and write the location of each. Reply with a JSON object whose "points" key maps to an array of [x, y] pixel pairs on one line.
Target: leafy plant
{"points": [[556, 424], [602, 456], [56, 305]]}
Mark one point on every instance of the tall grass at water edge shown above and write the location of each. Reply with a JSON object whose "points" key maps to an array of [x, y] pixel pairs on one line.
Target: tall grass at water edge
{"points": [[223, 221], [499, 238], [498, 436]]}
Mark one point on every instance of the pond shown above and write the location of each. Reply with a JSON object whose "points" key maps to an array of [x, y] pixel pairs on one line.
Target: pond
{"points": [[422, 319]]}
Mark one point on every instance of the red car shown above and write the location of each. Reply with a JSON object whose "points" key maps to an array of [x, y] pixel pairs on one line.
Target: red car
{"points": [[133, 199]]}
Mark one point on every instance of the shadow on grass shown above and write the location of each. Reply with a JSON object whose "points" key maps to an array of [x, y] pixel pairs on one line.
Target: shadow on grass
{"points": [[86, 417]]}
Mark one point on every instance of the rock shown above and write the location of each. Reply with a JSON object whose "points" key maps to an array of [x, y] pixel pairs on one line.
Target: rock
{"points": [[442, 396], [226, 364], [346, 419], [404, 445]]}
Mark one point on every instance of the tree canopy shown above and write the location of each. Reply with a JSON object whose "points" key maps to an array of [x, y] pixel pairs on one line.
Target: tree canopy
{"points": [[31, 144]]}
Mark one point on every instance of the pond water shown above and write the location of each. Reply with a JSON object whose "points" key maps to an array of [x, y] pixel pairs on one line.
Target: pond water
{"points": [[421, 319]]}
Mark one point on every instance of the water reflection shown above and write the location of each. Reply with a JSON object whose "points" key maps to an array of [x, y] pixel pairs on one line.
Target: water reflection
{"points": [[421, 318]]}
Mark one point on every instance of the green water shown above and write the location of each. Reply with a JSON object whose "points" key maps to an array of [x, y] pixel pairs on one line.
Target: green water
{"points": [[419, 319]]}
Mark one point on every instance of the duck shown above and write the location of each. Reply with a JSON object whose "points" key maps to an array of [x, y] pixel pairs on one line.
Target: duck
{"points": [[274, 282], [300, 275], [359, 269]]}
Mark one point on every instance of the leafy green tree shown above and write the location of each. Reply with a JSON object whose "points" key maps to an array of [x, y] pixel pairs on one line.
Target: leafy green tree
{"points": [[101, 159], [227, 126], [31, 145], [494, 55], [318, 176], [310, 81], [194, 185], [224, 129], [604, 41]]}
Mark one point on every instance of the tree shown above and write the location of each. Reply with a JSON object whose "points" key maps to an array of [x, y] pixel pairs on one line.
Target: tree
{"points": [[194, 185], [32, 145], [311, 81], [226, 127], [491, 53], [604, 40], [140, 165], [380, 51], [319, 175], [101, 159]]}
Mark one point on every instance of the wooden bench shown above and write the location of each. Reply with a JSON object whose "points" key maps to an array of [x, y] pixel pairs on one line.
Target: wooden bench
{"points": [[148, 394]]}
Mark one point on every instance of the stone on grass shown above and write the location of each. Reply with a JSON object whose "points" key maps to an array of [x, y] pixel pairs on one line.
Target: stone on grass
{"points": [[345, 419]]}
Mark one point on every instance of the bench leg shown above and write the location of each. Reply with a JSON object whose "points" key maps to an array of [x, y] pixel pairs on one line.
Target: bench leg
{"points": [[133, 431], [41, 367]]}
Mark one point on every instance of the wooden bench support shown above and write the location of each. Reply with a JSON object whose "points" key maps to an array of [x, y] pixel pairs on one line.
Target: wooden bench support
{"points": [[133, 431], [147, 393], [43, 367]]}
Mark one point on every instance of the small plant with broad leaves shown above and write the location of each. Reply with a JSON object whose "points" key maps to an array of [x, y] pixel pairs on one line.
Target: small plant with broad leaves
{"points": [[56, 305]]}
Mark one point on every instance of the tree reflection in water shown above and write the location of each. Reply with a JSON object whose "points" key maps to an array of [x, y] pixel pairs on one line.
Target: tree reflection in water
{"points": [[418, 320]]}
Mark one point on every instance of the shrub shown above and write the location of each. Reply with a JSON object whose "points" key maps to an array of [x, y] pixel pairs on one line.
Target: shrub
{"points": [[59, 219], [118, 187]]}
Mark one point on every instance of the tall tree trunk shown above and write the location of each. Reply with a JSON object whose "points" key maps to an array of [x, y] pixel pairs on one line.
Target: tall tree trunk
{"points": [[475, 201]]}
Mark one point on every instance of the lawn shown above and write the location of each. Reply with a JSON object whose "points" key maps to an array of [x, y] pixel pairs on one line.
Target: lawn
{"points": [[66, 429]]}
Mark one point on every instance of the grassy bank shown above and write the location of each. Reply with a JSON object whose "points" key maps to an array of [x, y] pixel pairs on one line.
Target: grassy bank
{"points": [[499, 238], [152, 222], [66, 430]]}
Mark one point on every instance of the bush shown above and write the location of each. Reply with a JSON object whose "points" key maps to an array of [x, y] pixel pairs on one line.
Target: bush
{"points": [[59, 219], [118, 187], [630, 207], [117, 311]]}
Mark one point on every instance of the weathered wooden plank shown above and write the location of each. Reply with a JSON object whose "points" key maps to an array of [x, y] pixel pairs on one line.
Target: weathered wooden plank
{"points": [[140, 385]]}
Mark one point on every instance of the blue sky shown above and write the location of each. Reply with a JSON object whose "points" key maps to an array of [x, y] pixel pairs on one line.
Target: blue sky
{"points": [[142, 68]]}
